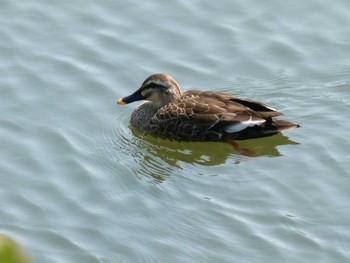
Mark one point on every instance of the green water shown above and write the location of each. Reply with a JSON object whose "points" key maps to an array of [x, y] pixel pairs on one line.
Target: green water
{"points": [[78, 184]]}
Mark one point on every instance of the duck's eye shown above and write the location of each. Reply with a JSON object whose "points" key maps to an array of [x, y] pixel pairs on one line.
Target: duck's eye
{"points": [[153, 88], [158, 87]]}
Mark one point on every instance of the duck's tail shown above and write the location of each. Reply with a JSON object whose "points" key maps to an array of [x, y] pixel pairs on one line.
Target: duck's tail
{"points": [[270, 127], [282, 125], [273, 126]]}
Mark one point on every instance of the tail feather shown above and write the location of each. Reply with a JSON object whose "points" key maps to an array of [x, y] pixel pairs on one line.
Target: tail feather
{"points": [[282, 125], [270, 127]]}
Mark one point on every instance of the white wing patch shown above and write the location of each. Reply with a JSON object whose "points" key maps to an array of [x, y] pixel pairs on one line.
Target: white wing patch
{"points": [[242, 125]]}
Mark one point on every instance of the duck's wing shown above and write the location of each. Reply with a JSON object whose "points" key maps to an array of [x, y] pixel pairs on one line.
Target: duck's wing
{"points": [[204, 114], [229, 108]]}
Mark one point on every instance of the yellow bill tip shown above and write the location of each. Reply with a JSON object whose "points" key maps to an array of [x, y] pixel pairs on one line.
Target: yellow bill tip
{"points": [[120, 101]]}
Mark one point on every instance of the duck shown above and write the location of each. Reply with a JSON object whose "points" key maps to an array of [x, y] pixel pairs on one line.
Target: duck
{"points": [[201, 116]]}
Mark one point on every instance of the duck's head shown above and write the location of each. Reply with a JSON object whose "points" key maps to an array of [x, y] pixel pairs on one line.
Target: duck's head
{"points": [[159, 88]]}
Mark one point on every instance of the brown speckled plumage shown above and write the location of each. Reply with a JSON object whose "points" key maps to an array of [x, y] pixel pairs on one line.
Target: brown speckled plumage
{"points": [[200, 115]]}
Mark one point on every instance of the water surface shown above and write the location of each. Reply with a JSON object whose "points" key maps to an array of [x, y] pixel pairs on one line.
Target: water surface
{"points": [[78, 184]]}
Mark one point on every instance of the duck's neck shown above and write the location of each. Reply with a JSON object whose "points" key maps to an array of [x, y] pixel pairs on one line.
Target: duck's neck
{"points": [[142, 114]]}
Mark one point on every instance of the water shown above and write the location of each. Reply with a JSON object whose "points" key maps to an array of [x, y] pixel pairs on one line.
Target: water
{"points": [[78, 184]]}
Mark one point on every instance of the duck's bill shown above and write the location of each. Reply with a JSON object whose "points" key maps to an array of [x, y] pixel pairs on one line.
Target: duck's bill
{"points": [[133, 97], [121, 102]]}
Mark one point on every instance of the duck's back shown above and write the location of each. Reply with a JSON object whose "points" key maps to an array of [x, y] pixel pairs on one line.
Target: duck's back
{"points": [[212, 116]]}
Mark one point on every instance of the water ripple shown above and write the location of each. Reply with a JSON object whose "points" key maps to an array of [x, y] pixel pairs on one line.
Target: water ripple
{"points": [[156, 158]]}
